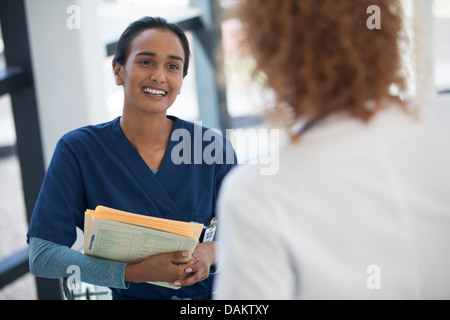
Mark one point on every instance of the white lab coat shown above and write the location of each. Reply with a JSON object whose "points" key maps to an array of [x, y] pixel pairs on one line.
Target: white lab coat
{"points": [[355, 211]]}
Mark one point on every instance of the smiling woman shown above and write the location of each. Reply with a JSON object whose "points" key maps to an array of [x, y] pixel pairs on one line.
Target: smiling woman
{"points": [[135, 174], [152, 75]]}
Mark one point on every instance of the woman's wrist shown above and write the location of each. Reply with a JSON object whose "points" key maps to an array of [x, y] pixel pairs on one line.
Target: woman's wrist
{"points": [[132, 273], [129, 273]]}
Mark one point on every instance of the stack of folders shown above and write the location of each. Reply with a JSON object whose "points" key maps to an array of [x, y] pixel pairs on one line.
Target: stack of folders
{"points": [[128, 237]]}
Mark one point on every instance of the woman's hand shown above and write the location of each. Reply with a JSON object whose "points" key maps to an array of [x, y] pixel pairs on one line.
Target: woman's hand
{"points": [[198, 267], [159, 267], [162, 267]]}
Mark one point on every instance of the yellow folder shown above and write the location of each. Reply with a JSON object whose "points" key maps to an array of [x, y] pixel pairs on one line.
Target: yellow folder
{"points": [[186, 229], [128, 237]]}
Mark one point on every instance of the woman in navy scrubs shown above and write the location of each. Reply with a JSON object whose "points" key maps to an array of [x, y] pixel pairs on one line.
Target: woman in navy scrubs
{"points": [[128, 164]]}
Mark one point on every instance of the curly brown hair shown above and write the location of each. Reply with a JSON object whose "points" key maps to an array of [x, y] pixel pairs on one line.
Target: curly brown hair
{"points": [[320, 57]]}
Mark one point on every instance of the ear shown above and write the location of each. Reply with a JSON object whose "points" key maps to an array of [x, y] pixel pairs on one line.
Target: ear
{"points": [[118, 73]]}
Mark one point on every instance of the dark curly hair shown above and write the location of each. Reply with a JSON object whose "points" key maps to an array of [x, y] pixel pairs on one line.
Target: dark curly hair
{"points": [[320, 57]]}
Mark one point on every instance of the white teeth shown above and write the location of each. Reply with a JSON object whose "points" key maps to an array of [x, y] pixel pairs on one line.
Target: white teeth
{"points": [[154, 91]]}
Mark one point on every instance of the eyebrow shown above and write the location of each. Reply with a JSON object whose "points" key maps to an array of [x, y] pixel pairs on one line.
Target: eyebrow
{"points": [[151, 54]]}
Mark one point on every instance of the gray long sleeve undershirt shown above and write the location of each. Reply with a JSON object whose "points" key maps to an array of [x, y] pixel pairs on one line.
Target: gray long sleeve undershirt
{"points": [[52, 260]]}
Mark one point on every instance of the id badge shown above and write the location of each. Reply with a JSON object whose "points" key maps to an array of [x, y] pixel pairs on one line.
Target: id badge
{"points": [[210, 232]]}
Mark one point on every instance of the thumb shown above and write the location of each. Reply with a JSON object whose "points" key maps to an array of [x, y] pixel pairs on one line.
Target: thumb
{"points": [[181, 257]]}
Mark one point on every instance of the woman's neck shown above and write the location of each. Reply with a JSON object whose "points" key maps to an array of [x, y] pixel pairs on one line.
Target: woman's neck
{"points": [[147, 130]]}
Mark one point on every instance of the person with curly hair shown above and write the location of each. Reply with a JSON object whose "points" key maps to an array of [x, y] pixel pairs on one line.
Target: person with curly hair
{"points": [[360, 205]]}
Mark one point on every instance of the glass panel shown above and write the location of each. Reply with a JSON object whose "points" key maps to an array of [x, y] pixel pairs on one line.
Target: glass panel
{"points": [[244, 95], [116, 15], [13, 224], [441, 11]]}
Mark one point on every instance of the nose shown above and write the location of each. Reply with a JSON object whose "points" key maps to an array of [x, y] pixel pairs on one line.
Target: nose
{"points": [[158, 75]]}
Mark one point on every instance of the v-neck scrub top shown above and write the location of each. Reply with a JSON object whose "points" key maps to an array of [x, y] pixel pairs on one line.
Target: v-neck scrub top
{"points": [[97, 165]]}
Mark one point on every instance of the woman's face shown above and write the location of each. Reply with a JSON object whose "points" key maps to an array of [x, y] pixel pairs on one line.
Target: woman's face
{"points": [[153, 72]]}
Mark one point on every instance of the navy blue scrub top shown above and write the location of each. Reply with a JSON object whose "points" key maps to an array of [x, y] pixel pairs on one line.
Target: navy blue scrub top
{"points": [[97, 165]]}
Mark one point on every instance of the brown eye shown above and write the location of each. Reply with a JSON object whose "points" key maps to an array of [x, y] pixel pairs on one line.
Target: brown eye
{"points": [[174, 67]]}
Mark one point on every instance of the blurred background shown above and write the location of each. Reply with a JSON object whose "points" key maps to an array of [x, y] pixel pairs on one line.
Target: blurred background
{"points": [[56, 75]]}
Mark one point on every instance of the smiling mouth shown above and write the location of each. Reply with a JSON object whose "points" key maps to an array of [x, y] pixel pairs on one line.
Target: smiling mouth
{"points": [[157, 92]]}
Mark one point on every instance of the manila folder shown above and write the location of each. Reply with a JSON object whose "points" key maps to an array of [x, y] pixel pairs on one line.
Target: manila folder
{"points": [[124, 242]]}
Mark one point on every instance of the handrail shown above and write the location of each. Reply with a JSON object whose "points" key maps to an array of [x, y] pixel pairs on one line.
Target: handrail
{"points": [[13, 267], [12, 78]]}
